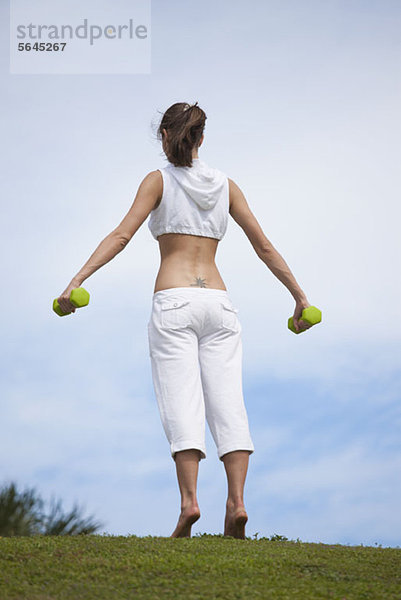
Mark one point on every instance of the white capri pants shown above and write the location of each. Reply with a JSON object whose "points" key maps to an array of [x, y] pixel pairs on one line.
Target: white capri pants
{"points": [[195, 349]]}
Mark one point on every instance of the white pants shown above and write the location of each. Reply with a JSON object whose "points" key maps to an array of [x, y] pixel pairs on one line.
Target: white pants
{"points": [[195, 348]]}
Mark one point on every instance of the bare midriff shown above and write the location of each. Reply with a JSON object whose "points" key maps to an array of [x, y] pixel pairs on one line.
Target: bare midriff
{"points": [[187, 261]]}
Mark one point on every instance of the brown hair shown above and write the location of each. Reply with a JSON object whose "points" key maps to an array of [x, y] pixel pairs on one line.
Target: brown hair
{"points": [[184, 124]]}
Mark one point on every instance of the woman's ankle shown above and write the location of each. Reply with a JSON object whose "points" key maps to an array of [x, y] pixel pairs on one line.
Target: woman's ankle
{"points": [[235, 503], [189, 504]]}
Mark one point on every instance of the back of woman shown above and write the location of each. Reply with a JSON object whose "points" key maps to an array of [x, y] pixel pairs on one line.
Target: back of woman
{"points": [[194, 332], [191, 214]]}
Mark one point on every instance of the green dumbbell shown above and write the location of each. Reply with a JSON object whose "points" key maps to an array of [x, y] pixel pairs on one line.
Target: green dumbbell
{"points": [[78, 297], [311, 315]]}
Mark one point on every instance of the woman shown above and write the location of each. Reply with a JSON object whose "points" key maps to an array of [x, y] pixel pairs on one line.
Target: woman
{"points": [[194, 332]]}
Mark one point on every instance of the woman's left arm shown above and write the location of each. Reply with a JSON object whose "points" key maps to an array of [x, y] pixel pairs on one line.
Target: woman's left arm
{"points": [[149, 192]]}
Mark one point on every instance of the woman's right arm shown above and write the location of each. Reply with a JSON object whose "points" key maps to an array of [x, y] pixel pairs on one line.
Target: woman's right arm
{"points": [[242, 214]]}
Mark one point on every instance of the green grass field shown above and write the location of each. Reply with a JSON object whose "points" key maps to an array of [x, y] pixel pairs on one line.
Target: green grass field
{"points": [[204, 566]]}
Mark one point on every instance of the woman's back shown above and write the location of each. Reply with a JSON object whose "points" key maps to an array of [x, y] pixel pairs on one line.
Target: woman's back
{"points": [[187, 261], [194, 334], [195, 201]]}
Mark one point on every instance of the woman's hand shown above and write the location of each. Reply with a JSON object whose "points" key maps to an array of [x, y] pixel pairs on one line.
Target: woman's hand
{"points": [[298, 323], [64, 299]]}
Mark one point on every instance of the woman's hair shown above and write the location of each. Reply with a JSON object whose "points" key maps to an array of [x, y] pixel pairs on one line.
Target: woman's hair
{"points": [[184, 124]]}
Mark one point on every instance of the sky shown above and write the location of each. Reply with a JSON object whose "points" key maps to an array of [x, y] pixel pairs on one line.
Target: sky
{"points": [[303, 113]]}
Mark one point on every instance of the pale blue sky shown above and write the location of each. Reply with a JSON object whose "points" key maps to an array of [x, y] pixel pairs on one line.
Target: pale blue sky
{"points": [[302, 100]]}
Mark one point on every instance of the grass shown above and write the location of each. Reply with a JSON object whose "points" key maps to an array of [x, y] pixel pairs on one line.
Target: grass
{"points": [[205, 566]]}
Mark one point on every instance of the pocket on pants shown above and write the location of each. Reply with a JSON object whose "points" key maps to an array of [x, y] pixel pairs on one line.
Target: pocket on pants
{"points": [[175, 314], [228, 314]]}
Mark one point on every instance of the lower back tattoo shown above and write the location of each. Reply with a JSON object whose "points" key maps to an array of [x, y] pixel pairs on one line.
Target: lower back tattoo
{"points": [[199, 282]]}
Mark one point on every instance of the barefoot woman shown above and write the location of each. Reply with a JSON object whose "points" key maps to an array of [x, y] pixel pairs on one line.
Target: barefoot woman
{"points": [[194, 332]]}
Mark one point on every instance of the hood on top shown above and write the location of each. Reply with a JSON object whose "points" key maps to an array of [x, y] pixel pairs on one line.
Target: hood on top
{"points": [[202, 183]]}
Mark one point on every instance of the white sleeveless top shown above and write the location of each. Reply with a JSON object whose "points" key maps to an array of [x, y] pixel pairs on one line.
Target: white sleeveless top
{"points": [[194, 201]]}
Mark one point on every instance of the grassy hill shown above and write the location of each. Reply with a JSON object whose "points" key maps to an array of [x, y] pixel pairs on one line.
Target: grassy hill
{"points": [[204, 566]]}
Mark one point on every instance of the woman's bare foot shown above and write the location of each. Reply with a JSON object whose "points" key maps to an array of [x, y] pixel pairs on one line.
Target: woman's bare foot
{"points": [[188, 516], [235, 520]]}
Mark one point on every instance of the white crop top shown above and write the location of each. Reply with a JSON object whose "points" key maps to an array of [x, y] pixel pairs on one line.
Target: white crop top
{"points": [[194, 201]]}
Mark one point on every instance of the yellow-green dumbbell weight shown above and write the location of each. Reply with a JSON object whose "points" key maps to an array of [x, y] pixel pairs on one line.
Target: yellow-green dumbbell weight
{"points": [[311, 315], [78, 297]]}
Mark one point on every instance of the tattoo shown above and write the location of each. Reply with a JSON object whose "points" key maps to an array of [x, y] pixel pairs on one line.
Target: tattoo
{"points": [[199, 282]]}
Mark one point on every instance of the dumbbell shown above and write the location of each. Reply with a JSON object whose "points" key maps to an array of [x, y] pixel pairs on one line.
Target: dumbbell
{"points": [[78, 297], [311, 315]]}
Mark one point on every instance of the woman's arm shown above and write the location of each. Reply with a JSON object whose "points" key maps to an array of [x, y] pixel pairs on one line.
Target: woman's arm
{"points": [[147, 195], [242, 214], [107, 249]]}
